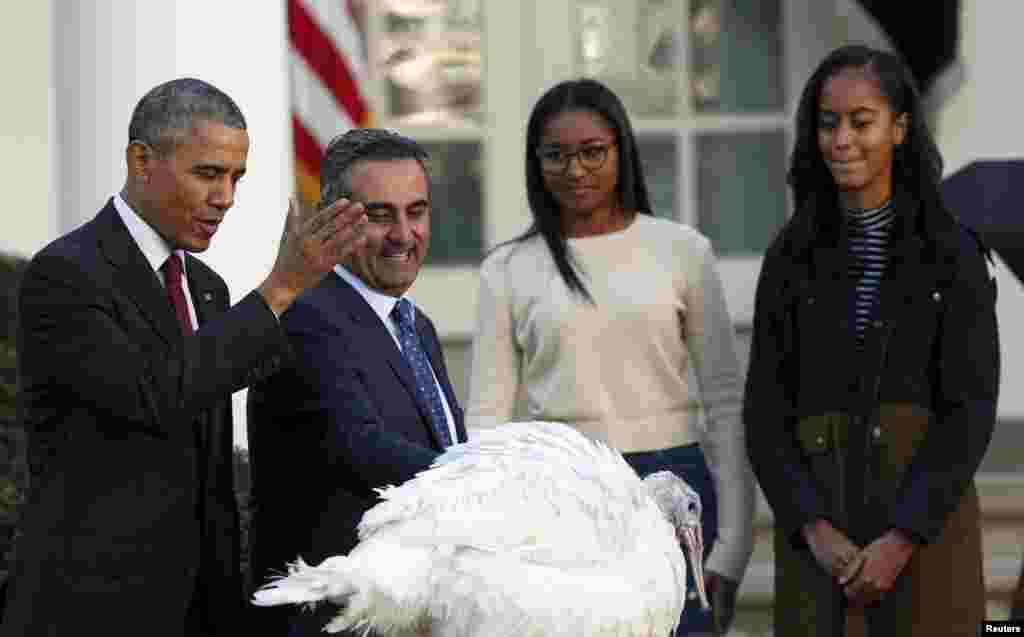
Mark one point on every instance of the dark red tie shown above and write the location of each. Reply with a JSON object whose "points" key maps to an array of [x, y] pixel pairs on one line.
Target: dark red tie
{"points": [[172, 277]]}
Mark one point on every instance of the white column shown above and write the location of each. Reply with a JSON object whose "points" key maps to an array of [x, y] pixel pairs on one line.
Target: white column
{"points": [[982, 121], [110, 52], [26, 130]]}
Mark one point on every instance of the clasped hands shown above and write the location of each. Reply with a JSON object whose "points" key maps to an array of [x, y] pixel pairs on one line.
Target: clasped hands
{"points": [[867, 574]]}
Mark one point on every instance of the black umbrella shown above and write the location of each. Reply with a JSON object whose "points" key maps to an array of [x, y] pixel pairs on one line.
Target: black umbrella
{"points": [[988, 196]]}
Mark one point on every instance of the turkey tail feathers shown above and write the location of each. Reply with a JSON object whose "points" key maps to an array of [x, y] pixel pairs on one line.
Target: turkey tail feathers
{"points": [[305, 584]]}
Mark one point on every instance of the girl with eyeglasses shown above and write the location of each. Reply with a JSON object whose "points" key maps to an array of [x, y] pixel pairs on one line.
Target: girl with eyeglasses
{"points": [[600, 315]]}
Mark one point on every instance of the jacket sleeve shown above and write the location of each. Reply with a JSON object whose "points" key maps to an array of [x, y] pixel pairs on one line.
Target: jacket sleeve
{"points": [[711, 340], [965, 395], [74, 346], [769, 410], [357, 445], [495, 377]]}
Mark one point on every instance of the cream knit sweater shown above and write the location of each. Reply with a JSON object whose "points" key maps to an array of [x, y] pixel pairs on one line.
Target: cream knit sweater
{"points": [[620, 370]]}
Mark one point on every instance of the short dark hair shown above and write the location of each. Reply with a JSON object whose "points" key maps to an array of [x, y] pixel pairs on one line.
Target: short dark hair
{"points": [[579, 95], [171, 108], [362, 144]]}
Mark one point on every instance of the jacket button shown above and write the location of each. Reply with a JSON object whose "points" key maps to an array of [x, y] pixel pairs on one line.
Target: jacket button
{"points": [[877, 324], [936, 295], [810, 301], [876, 433], [820, 440]]}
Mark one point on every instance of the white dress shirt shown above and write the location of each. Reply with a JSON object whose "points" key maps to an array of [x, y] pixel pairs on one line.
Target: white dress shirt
{"points": [[382, 305], [155, 249]]}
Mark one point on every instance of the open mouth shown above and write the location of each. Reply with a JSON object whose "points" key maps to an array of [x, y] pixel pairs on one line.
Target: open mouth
{"points": [[208, 226], [403, 256]]}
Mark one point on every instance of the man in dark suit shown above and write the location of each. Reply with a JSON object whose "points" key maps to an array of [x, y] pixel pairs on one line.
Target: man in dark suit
{"points": [[128, 355], [368, 402]]}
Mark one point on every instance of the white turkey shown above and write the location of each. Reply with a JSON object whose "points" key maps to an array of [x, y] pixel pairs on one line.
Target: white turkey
{"points": [[530, 529]]}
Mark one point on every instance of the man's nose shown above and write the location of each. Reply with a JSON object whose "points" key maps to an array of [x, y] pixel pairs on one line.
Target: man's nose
{"points": [[401, 229], [222, 196]]}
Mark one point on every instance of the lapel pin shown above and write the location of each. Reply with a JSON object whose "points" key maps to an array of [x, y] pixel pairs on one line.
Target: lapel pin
{"points": [[207, 297]]}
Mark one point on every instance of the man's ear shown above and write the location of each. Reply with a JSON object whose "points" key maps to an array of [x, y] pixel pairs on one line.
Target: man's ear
{"points": [[139, 158]]}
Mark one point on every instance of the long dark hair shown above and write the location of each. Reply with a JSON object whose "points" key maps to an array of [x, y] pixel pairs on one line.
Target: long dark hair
{"points": [[917, 163], [578, 95]]}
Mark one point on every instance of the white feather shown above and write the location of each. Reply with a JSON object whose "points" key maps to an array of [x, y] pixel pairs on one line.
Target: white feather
{"points": [[529, 529]]}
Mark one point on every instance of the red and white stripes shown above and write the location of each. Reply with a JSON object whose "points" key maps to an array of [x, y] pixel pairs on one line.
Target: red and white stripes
{"points": [[328, 72]]}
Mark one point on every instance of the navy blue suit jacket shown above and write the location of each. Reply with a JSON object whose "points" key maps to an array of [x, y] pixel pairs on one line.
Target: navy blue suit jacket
{"points": [[339, 423]]}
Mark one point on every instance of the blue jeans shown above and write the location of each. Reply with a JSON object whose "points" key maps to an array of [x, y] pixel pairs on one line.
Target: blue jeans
{"points": [[688, 463]]}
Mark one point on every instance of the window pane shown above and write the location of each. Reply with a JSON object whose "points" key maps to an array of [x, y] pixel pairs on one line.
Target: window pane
{"points": [[741, 189], [637, 49], [736, 55], [456, 235], [634, 48], [429, 55], [660, 160]]}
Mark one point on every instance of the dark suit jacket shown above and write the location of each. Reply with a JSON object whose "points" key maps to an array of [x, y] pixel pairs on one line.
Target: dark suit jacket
{"points": [[341, 422], [131, 503]]}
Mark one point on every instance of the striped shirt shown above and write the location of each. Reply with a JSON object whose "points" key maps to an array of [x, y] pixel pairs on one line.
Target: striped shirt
{"points": [[869, 232]]}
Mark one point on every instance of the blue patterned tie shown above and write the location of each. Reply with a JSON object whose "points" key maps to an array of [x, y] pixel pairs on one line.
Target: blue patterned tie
{"points": [[426, 389]]}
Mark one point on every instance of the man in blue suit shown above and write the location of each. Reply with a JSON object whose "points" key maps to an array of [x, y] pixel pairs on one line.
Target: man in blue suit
{"points": [[368, 401]]}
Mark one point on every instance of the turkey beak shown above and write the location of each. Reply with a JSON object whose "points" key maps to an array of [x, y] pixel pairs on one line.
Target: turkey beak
{"points": [[693, 541]]}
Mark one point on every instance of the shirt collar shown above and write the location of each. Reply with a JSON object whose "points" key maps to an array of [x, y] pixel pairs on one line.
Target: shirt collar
{"points": [[382, 304], [153, 246]]}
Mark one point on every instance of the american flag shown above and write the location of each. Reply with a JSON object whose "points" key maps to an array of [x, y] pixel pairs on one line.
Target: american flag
{"points": [[328, 78]]}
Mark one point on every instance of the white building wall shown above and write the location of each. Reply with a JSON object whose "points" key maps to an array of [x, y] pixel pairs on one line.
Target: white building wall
{"points": [[77, 67], [26, 134]]}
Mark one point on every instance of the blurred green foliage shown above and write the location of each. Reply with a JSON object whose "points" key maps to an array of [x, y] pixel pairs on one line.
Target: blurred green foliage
{"points": [[241, 464], [13, 468]]}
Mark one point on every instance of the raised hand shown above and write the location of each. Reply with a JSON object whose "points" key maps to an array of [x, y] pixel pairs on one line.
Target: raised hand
{"points": [[313, 242]]}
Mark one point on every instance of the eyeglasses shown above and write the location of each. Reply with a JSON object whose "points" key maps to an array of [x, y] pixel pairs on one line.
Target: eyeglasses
{"points": [[555, 161]]}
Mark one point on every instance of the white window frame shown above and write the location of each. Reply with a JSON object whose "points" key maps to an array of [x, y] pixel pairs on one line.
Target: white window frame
{"points": [[528, 45]]}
